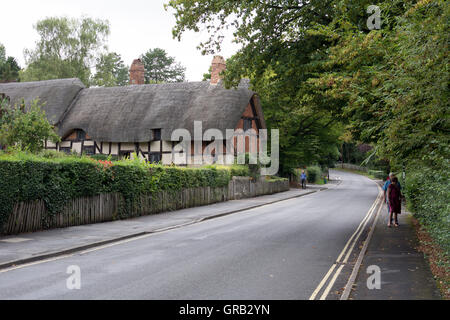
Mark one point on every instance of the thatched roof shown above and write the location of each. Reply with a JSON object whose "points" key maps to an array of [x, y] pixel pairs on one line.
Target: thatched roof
{"points": [[56, 94], [127, 114]]}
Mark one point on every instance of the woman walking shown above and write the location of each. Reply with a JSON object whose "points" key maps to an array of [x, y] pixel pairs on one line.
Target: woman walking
{"points": [[395, 204]]}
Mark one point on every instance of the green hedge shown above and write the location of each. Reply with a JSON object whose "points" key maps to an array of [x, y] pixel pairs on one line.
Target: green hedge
{"points": [[378, 174], [313, 174], [428, 197], [56, 180]]}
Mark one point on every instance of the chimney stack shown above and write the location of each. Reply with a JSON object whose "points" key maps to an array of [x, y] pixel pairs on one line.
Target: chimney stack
{"points": [[218, 65], [137, 71]]}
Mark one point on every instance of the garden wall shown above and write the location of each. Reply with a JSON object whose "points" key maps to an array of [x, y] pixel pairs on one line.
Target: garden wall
{"points": [[33, 216]]}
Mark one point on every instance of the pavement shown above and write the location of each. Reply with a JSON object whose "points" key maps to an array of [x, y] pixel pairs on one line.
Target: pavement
{"points": [[29, 247], [405, 274]]}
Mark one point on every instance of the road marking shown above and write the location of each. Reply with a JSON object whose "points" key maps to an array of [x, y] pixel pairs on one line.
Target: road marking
{"points": [[333, 280], [351, 280], [357, 233], [34, 263], [330, 285], [322, 283], [357, 229], [15, 240], [360, 232], [114, 244]]}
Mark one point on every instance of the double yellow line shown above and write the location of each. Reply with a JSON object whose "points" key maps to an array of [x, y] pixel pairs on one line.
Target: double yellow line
{"points": [[345, 253]]}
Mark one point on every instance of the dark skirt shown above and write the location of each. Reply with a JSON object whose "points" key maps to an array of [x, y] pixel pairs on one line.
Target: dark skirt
{"points": [[395, 202]]}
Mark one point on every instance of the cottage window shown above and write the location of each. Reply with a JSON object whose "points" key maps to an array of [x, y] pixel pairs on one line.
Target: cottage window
{"points": [[247, 124], [154, 157], [81, 135], [89, 150], [156, 134], [125, 154], [66, 150]]}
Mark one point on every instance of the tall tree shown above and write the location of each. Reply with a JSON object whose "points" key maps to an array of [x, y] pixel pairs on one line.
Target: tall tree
{"points": [[110, 71], [279, 54], [67, 48], [393, 99], [9, 68], [160, 67]]}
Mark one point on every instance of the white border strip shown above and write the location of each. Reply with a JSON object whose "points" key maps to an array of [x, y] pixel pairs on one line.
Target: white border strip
{"points": [[351, 280]]}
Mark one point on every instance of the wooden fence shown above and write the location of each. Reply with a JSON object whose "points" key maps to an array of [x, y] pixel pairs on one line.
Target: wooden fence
{"points": [[33, 216]]}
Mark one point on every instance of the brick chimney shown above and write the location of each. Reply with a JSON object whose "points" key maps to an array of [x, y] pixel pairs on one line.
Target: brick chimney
{"points": [[217, 66], [137, 71]]}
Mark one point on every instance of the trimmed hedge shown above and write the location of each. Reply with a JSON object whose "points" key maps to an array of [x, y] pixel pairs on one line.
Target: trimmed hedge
{"points": [[428, 197], [26, 177], [313, 174]]}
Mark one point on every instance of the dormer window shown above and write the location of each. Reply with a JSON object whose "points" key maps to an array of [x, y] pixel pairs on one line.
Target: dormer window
{"points": [[81, 135], [156, 134], [77, 135]]}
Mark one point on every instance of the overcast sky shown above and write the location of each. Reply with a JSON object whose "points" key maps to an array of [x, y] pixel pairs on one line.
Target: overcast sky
{"points": [[136, 26]]}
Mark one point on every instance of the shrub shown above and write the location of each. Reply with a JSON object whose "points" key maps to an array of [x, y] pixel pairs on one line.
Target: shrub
{"points": [[26, 177], [235, 170], [314, 174], [275, 178], [25, 127], [104, 157], [428, 198], [253, 169], [52, 154], [378, 174]]}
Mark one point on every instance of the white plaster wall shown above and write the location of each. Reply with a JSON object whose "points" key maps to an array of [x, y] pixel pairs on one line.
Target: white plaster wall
{"points": [[229, 159], [155, 146], [143, 146], [76, 146], [166, 145], [105, 147], [127, 147], [114, 149], [65, 144], [166, 158], [196, 160]]}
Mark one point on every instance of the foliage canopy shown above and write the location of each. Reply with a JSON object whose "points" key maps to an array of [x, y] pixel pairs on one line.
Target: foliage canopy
{"points": [[25, 127], [67, 48], [160, 67]]}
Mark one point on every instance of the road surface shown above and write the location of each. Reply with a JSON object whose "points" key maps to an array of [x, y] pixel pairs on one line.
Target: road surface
{"points": [[278, 251]]}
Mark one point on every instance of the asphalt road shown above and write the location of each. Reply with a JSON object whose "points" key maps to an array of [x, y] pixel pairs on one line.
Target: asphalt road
{"points": [[278, 251]]}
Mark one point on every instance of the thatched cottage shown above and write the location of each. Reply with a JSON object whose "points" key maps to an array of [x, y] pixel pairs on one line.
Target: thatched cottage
{"points": [[139, 118]]}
